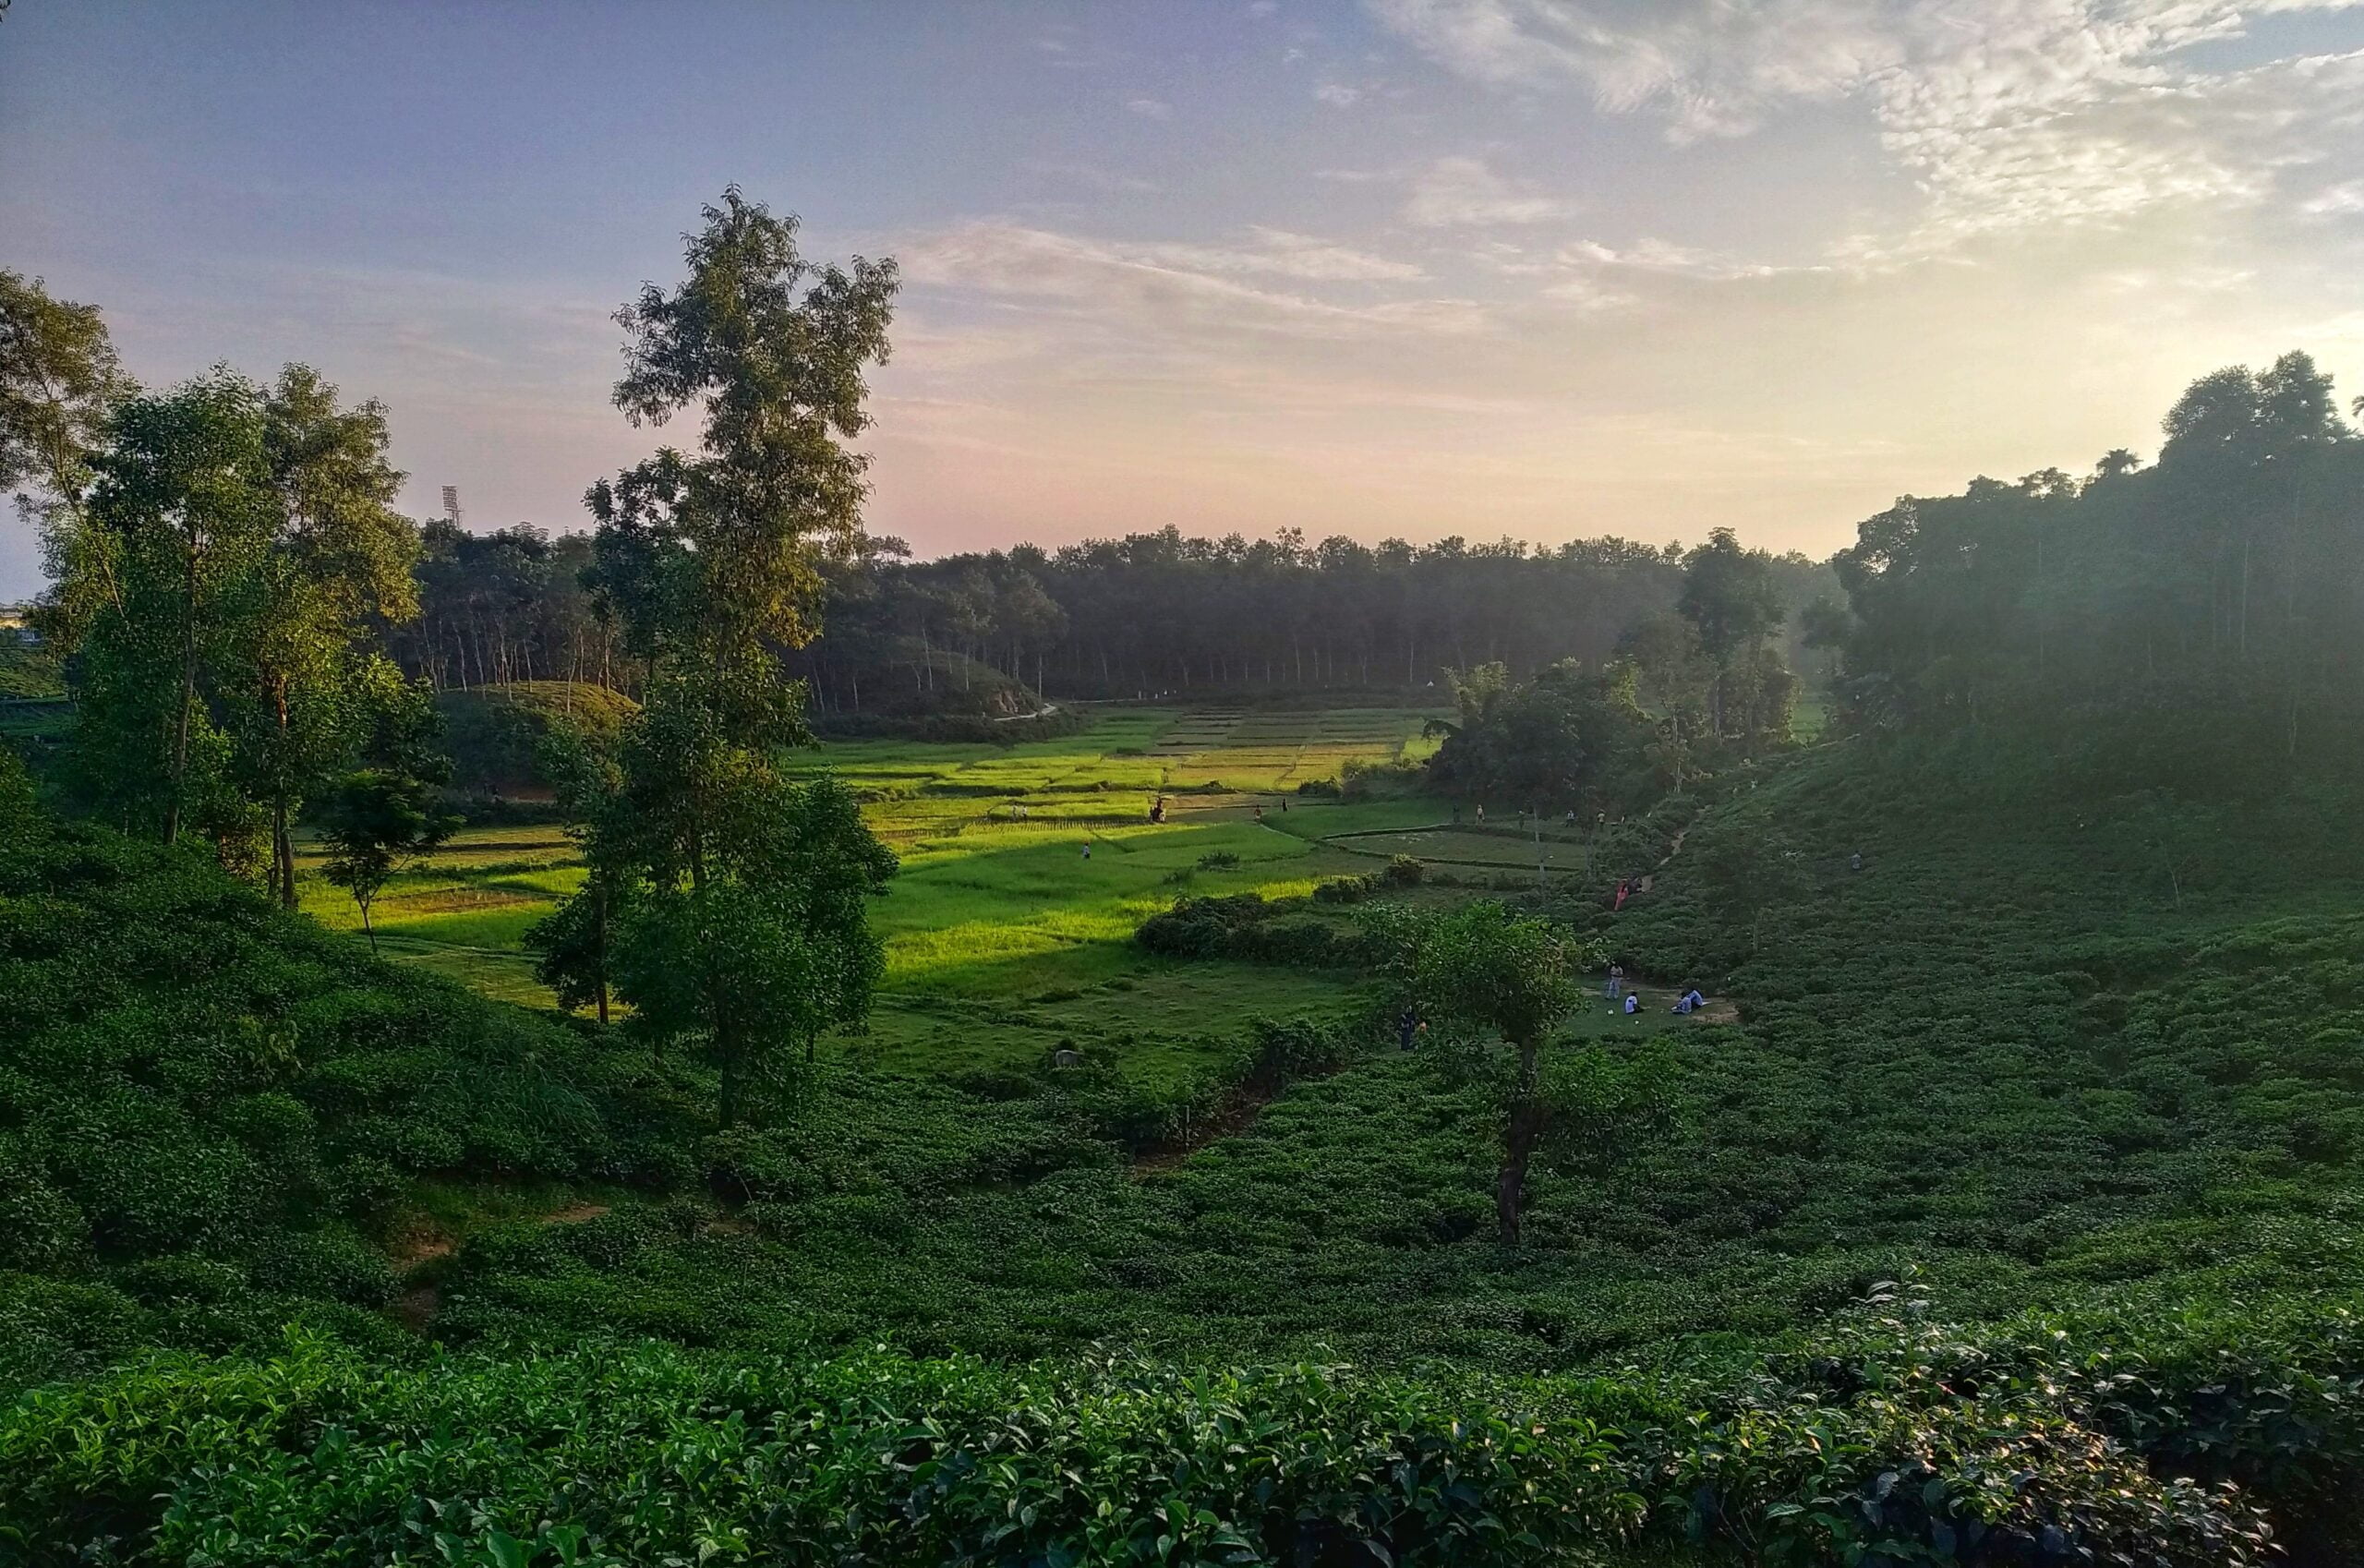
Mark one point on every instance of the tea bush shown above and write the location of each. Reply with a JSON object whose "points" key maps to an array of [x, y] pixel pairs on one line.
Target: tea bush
{"points": [[1896, 1439]]}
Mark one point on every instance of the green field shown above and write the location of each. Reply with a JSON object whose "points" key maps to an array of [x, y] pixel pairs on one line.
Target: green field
{"points": [[997, 908]]}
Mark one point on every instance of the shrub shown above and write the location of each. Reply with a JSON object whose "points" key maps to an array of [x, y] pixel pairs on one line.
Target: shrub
{"points": [[1345, 889]]}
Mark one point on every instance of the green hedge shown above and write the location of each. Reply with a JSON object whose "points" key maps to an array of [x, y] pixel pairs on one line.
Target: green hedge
{"points": [[1898, 1440]]}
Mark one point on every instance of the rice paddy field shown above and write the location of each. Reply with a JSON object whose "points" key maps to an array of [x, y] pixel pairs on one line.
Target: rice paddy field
{"points": [[1005, 940]]}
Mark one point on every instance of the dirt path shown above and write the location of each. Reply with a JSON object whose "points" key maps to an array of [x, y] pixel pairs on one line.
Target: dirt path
{"points": [[421, 1298], [1237, 1116]]}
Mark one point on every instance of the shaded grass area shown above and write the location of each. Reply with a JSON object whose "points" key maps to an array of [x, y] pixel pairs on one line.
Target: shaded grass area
{"points": [[1155, 1025]]}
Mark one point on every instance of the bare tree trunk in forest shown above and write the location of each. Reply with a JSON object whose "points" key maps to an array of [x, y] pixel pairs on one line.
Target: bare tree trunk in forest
{"points": [[730, 1075], [188, 698], [599, 938], [282, 853]]}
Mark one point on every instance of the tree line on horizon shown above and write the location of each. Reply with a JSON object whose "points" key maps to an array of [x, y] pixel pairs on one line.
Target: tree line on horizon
{"points": [[1110, 618]]}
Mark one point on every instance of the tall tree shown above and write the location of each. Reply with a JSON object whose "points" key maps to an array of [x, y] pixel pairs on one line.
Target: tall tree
{"points": [[1733, 597], [59, 382], [737, 892], [712, 559], [185, 515], [340, 568]]}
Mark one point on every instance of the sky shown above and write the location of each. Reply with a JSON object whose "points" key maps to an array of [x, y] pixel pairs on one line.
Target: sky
{"points": [[1545, 269]]}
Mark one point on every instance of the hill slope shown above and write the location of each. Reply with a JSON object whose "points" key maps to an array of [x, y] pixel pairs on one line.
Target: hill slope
{"points": [[2088, 1091]]}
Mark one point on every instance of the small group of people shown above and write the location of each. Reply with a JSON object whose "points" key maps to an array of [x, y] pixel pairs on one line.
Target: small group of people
{"points": [[1157, 812], [1630, 1001]]}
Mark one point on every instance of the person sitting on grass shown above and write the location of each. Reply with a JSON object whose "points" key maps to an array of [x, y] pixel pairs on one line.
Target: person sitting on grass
{"points": [[1633, 1002], [1690, 1001]]}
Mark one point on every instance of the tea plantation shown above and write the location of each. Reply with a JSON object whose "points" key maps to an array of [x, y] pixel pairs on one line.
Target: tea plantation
{"points": [[2013, 1217]]}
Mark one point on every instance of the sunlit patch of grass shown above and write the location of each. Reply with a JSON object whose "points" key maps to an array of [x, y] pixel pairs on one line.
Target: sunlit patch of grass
{"points": [[996, 898]]}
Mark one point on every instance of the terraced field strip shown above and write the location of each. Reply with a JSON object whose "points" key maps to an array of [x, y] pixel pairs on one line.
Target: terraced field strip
{"points": [[989, 903]]}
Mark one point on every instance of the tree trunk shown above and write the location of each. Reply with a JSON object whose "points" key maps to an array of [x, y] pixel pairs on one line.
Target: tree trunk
{"points": [[189, 701], [600, 941], [1523, 1131], [283, 851], [730, 1088]]}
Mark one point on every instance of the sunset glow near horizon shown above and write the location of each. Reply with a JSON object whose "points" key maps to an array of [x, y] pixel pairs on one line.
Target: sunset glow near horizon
{"points": [[1546, 269]]}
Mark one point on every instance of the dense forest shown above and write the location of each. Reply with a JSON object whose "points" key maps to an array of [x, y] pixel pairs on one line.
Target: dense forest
{"points": [[2228, 578], [1110, 618], [1881, 1088]]}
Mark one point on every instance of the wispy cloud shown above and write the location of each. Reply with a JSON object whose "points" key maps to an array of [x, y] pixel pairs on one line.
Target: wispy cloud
{"points": [[1338, 95], [1169, 286], [2011, 115], [1150, 108], [1464, 193], [1653, 255], [2334, 201], [1092, 177]]}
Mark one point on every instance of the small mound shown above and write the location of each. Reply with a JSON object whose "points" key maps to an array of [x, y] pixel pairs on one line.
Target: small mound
{"points": [[494, 733]]}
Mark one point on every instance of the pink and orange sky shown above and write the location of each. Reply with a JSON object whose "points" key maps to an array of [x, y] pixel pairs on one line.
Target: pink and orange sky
{"points": [[1543, 268]]}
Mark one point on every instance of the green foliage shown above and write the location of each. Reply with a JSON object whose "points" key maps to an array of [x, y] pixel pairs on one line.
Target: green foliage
{"points": [[1246, 925], [1898, 1439], [1569, 738], [376, 822], [240, 549], [59, 383], [710, 561]]}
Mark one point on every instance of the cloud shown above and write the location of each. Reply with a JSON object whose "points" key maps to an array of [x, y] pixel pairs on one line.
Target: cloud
{"points": [[1280, 253], [2336, 200], [1649, 255], [1090, 175], [1586, 293], [1337, 95], [2009, 116], [1159, 286], [1465, 193], [1150, 108]]}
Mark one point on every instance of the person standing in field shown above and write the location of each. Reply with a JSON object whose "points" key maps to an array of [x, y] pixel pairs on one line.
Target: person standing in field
{"points": [[1087, 848]]}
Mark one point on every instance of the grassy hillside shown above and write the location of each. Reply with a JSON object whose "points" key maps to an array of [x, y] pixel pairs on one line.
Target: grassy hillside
{"points": [[2022, 1194]]}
